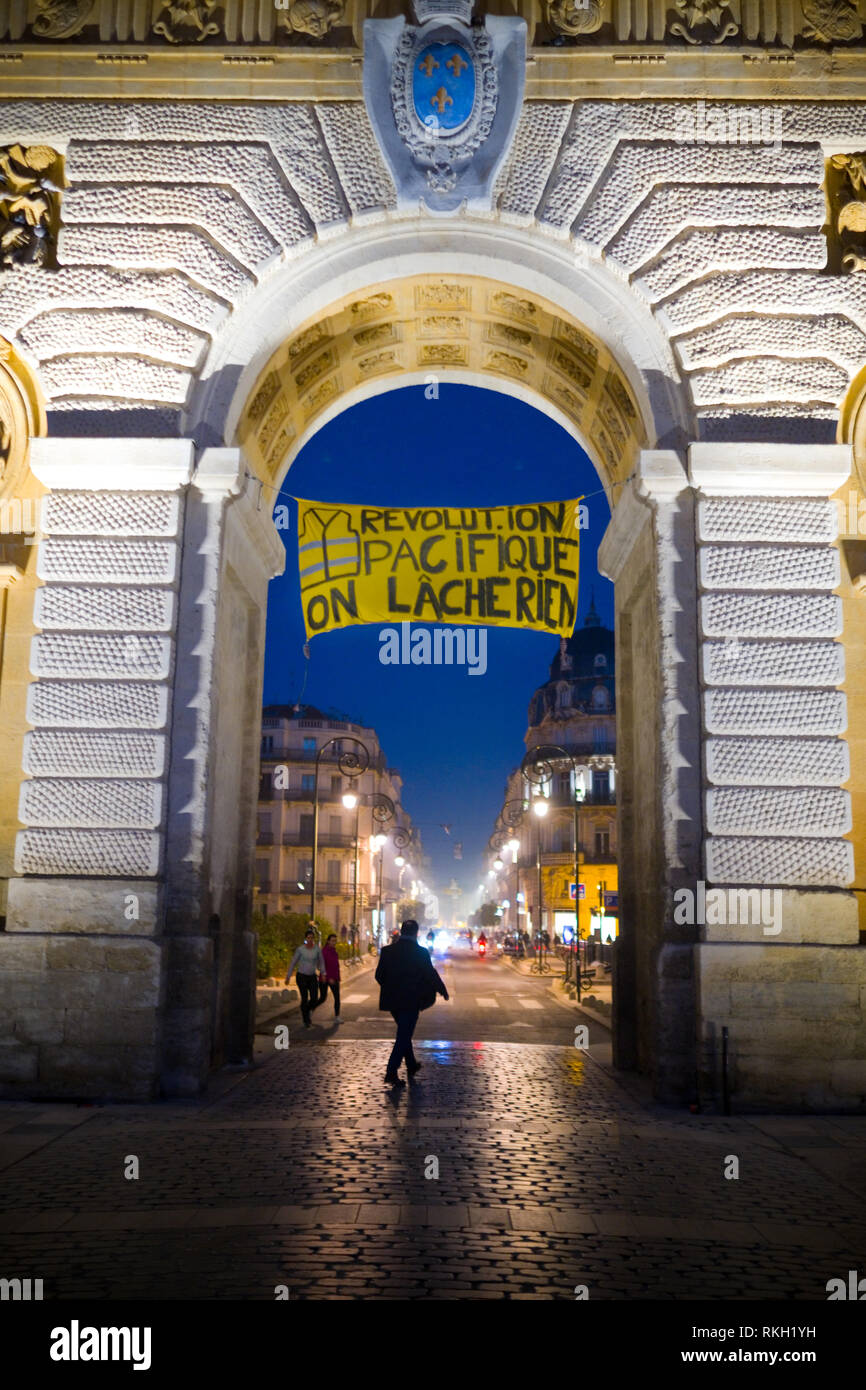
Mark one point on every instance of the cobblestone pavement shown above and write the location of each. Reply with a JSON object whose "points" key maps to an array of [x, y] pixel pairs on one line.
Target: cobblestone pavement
{"points": [[307, 1172]]}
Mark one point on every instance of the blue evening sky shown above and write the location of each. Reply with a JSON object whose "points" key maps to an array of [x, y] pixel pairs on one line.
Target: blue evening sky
{"points": [[454, 737]]}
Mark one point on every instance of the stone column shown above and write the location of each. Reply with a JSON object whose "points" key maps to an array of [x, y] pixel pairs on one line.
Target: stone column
{"points": [[152, 609], [231, 550], [779, 962], [81, 959], [649, 551]]}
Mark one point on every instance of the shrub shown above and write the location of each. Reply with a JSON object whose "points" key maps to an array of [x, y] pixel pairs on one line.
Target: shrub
{"points": [[279, 936]]}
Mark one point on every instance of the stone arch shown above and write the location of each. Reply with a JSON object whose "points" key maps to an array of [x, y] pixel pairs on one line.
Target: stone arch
{"points": [[430, 328], [315, 294], [22, 418]]}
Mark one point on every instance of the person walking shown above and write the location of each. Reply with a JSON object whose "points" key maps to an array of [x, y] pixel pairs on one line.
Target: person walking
{"points": [[310, 970], [332, 974], [408, 982]]}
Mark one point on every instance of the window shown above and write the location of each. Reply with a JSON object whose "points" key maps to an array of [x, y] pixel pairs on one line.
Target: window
{"points": [[600, 697], [600, 663], [336, 786], [601, 786], [264, 822], [335, 826], [308, 781], [267, 743], [305, 870], [305, 833], [265, 789], [602, 844], [309, 745], [599, 737], [333, 873]]}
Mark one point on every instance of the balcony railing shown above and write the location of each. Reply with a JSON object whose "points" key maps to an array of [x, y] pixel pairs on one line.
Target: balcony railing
{"points": [[265, 837], [308, 755], [304, 838]]}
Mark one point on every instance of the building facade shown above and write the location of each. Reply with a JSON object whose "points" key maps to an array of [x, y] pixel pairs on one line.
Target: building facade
{"points": [[216, 235], [573, 713], [356, 876]]}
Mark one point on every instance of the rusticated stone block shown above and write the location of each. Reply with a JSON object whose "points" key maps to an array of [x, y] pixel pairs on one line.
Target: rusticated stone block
{"points": [[83, 907], [111, 1071], [848, 1079], [18, 1061], [769, 1036], [823, 919], [131, 956], [73, 989], [35, 1025], [77, 953], [122, 1027], [17, 953]]}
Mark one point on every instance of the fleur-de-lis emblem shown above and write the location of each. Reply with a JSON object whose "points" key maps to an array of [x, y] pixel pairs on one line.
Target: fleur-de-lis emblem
{"points": [[441, 99]]}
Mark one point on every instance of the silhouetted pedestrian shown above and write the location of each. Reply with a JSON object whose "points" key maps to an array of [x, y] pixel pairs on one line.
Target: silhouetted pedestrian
{"points": [[332, 974], [409, 982]]}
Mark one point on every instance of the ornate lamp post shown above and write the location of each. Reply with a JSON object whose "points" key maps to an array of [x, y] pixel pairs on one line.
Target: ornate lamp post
{"points": [[511, 818], [352, 763], [538, 768]]}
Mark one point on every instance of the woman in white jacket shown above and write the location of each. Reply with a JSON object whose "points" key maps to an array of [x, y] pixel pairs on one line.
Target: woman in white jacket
{"points": [[310, 970]]}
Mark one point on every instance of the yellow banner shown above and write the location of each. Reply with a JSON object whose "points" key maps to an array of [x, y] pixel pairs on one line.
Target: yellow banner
{"points": [[508, 566]]}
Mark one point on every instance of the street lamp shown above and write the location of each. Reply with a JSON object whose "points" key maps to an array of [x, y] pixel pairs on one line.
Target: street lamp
{"points": [[537, 767], [351, 764]]}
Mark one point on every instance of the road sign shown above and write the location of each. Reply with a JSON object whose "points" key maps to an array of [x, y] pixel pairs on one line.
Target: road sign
{"points": [[581, 894]]}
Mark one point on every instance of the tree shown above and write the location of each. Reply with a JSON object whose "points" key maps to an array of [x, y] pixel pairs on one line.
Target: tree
{"points": [[410, 909], [488, 915], [278, 935]]}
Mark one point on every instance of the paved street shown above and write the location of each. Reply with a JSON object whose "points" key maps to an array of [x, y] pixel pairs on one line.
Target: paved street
{"points": [[307, 1172]]}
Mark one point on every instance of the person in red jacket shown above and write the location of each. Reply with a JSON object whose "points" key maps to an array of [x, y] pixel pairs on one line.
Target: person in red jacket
{"points": [[332, 974]]}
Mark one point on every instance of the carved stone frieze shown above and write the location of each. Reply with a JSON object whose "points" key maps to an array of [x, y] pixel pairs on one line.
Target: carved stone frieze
{"points": [[31, 179], [572, 17], [831, 21], [187, 21], [313, 17], [704, 21], [312, 24], [846, 192], [60, 19]]}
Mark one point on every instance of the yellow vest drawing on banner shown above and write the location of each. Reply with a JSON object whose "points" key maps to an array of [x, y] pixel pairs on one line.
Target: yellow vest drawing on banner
{"points": [[504, 566]]}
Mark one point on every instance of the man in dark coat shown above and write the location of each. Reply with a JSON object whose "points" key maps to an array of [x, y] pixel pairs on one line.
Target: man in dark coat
{"points": [[409, 982]]}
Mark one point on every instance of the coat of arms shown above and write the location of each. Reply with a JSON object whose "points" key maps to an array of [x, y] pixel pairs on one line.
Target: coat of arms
{"points": [[454, 91]]}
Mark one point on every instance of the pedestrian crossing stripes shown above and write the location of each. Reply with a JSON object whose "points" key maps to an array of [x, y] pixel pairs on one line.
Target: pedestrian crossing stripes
{"points": [[529, 1003], [354, 999], [485, 1002]]}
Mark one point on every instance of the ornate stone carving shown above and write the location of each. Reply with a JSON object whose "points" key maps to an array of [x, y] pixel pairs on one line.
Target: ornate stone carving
{"points": [[440, 157], [831, 21], [187, 21], [704, 21], [30, 182], [444, 98], [313, 17], [570, 17], [22, 415], [60, 19], [850, 213]]}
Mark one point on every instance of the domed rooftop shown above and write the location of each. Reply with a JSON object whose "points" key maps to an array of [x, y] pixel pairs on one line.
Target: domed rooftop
{"points": [[581, 674]]}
